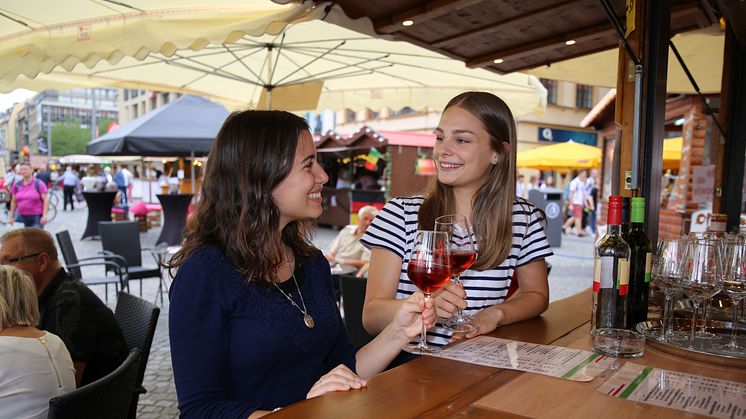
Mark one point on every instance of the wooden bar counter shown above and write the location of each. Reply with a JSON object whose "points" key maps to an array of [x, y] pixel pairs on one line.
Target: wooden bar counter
{"points": [[440, 388]]}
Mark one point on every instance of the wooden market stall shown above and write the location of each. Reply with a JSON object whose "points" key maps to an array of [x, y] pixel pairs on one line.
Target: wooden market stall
{"points": [[369, 167]]}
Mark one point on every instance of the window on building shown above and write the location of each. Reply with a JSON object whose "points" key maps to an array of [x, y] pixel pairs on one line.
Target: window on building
{"points": [[126, 94], [583, 96], [551, 86]]}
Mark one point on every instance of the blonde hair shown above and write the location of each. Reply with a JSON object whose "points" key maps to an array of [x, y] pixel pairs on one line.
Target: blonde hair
{"points": [[18, 304], [492, 204]]}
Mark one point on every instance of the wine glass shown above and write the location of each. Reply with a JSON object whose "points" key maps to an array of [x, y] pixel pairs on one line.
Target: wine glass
{"points": [[734, 285], [721, 240], [463, 254], [668, 271], [429, 269], [703, 277]]}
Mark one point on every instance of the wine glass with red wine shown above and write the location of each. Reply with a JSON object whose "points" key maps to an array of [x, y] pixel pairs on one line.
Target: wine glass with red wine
{"points": [[429, 269], [463, 254]]}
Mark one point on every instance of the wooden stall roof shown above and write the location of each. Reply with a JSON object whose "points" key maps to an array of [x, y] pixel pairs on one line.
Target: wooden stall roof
{"points": [[523, 34], [366, 138]]}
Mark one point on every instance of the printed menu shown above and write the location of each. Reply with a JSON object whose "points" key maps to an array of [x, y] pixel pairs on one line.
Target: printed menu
{"points": [[555, 361], [677, 390]]}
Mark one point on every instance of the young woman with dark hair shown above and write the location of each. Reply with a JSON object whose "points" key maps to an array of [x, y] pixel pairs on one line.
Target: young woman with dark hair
{"points": [[253, 321], [474, 152]]}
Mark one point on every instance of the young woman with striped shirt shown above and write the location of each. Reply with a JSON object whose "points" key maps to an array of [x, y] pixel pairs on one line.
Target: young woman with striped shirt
{"points": [[474, 153]]}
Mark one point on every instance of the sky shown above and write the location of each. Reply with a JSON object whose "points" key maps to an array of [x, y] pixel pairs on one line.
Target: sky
{"points": [[8, 99]]}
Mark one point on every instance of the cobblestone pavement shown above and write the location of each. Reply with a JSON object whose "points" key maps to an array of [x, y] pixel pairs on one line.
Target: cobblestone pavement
{"points": [[572, 267]]}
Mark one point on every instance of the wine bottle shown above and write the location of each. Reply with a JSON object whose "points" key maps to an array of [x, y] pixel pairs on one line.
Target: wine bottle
{"points": [[639, 265], [610, 284]]}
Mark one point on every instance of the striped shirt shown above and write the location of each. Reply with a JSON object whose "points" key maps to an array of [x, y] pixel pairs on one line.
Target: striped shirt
{"points": [[394, 229]]}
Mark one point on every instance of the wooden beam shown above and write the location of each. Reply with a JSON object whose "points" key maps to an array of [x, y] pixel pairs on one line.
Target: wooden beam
{"points": [[537, 47], [605, 29], [512, 21], [549, 63], [427, 11]]}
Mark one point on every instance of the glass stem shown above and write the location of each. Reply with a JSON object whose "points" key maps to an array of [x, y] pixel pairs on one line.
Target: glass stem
{"points": [[703, 329], [734, 327], [667, 317], [694, 325], [423, 334], [457, 280]]}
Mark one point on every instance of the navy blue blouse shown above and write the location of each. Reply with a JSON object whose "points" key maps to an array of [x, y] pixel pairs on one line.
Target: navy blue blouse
{"points": [[237, 348]]}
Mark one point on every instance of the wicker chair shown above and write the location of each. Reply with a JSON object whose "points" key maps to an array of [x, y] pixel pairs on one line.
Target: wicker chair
{"points": [[353, 297], [137, 318], [122, 239], [107, 398], [73, 265]]}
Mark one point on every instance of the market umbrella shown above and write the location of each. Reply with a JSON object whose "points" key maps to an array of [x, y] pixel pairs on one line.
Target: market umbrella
{"points": [[672, 152], [185, 127], [307, 65], [560, 156]]}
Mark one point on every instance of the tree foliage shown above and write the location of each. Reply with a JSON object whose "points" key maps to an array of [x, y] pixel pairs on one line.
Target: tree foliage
{"points": [[69, 138]]}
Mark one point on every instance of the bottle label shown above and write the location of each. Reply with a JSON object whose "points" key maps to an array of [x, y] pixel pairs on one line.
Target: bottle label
{"points": [[622, 282], [604, 273], [648, 270], [596, 274]]}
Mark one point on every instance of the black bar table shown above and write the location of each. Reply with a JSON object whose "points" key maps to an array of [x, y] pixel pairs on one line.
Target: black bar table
{"points": [[99, 209], [175, 209]]}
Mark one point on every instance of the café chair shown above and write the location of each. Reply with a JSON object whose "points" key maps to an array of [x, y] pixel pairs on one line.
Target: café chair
{"points": [[109, 397], [73, 265], [122, 240], [353, 297], [137, 318]]}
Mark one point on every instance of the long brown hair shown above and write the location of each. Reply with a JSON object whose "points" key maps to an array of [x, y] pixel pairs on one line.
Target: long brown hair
{"points": [[492, 204], [252, 154]]}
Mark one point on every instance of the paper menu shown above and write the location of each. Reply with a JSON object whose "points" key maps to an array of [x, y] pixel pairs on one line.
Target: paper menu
{"points": [[555, 361], [677, 390]]}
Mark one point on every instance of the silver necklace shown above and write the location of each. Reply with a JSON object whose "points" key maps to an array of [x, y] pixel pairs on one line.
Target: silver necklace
{"points": [[307, 319]]}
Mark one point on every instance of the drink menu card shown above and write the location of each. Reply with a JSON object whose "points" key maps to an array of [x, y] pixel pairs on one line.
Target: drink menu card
{"points": [[677, 390], [555, 361]]}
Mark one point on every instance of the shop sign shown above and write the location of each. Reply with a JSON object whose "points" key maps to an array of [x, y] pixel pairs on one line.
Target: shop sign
{"points": [[703, 183], [556, 135]]}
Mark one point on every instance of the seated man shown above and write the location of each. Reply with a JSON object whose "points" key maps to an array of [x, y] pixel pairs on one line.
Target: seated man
{"points": [[346, 248], [68, 308]]}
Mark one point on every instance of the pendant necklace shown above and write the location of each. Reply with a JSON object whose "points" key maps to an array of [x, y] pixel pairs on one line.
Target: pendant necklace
{"points": [[307, 319]]}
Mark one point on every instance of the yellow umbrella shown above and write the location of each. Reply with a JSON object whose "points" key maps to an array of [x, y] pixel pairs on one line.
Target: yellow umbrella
{"points": [[561, 156], [672, 152]]}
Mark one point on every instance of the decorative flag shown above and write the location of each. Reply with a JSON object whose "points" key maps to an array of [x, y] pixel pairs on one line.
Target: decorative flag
{"points": [[371, 160]]}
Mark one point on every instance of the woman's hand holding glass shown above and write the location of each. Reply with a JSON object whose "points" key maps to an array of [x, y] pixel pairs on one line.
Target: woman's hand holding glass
{"points": [[429, 269], [415, 312], [463, 255]]}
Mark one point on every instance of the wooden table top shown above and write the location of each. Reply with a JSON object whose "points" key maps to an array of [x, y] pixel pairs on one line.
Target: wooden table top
{"points": [[438, 388]]}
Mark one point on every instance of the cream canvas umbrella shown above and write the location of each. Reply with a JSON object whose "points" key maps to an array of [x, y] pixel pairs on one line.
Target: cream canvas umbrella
{"points": [[702, 52], [310, 65]]}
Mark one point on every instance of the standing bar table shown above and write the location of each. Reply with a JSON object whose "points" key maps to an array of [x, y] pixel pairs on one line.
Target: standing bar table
{"points": [[175, 208], [99, 209]]}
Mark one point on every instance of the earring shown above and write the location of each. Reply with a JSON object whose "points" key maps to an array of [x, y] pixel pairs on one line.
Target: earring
{"points": [[494, 162]]}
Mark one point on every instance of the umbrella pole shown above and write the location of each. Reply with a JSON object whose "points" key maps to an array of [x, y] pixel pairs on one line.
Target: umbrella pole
{"points": [[191, 170]]}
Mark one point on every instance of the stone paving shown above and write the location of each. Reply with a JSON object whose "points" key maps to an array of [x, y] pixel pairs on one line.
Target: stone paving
{"points": [[572, 267]]}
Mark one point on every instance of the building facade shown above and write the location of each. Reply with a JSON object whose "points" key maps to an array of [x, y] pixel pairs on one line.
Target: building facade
{"points": [[135, 103]]}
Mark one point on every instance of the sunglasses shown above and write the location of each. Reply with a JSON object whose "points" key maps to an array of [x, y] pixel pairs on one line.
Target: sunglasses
{"points": [[9, 261]]}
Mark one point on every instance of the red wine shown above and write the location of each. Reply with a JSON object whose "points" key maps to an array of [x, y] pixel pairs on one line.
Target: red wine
{"points": [[428, 278], [611, 274], [639, 265], [460, 261]]}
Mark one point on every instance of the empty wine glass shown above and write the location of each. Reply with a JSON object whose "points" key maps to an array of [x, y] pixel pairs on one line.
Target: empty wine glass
{"points": [[720, 239], [429, 269], [668, 271], [463, 254], [734, 285], [703, 277]]}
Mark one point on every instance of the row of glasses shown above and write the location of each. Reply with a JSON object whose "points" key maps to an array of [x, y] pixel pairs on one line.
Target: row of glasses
{"points": [[701, 265]]}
